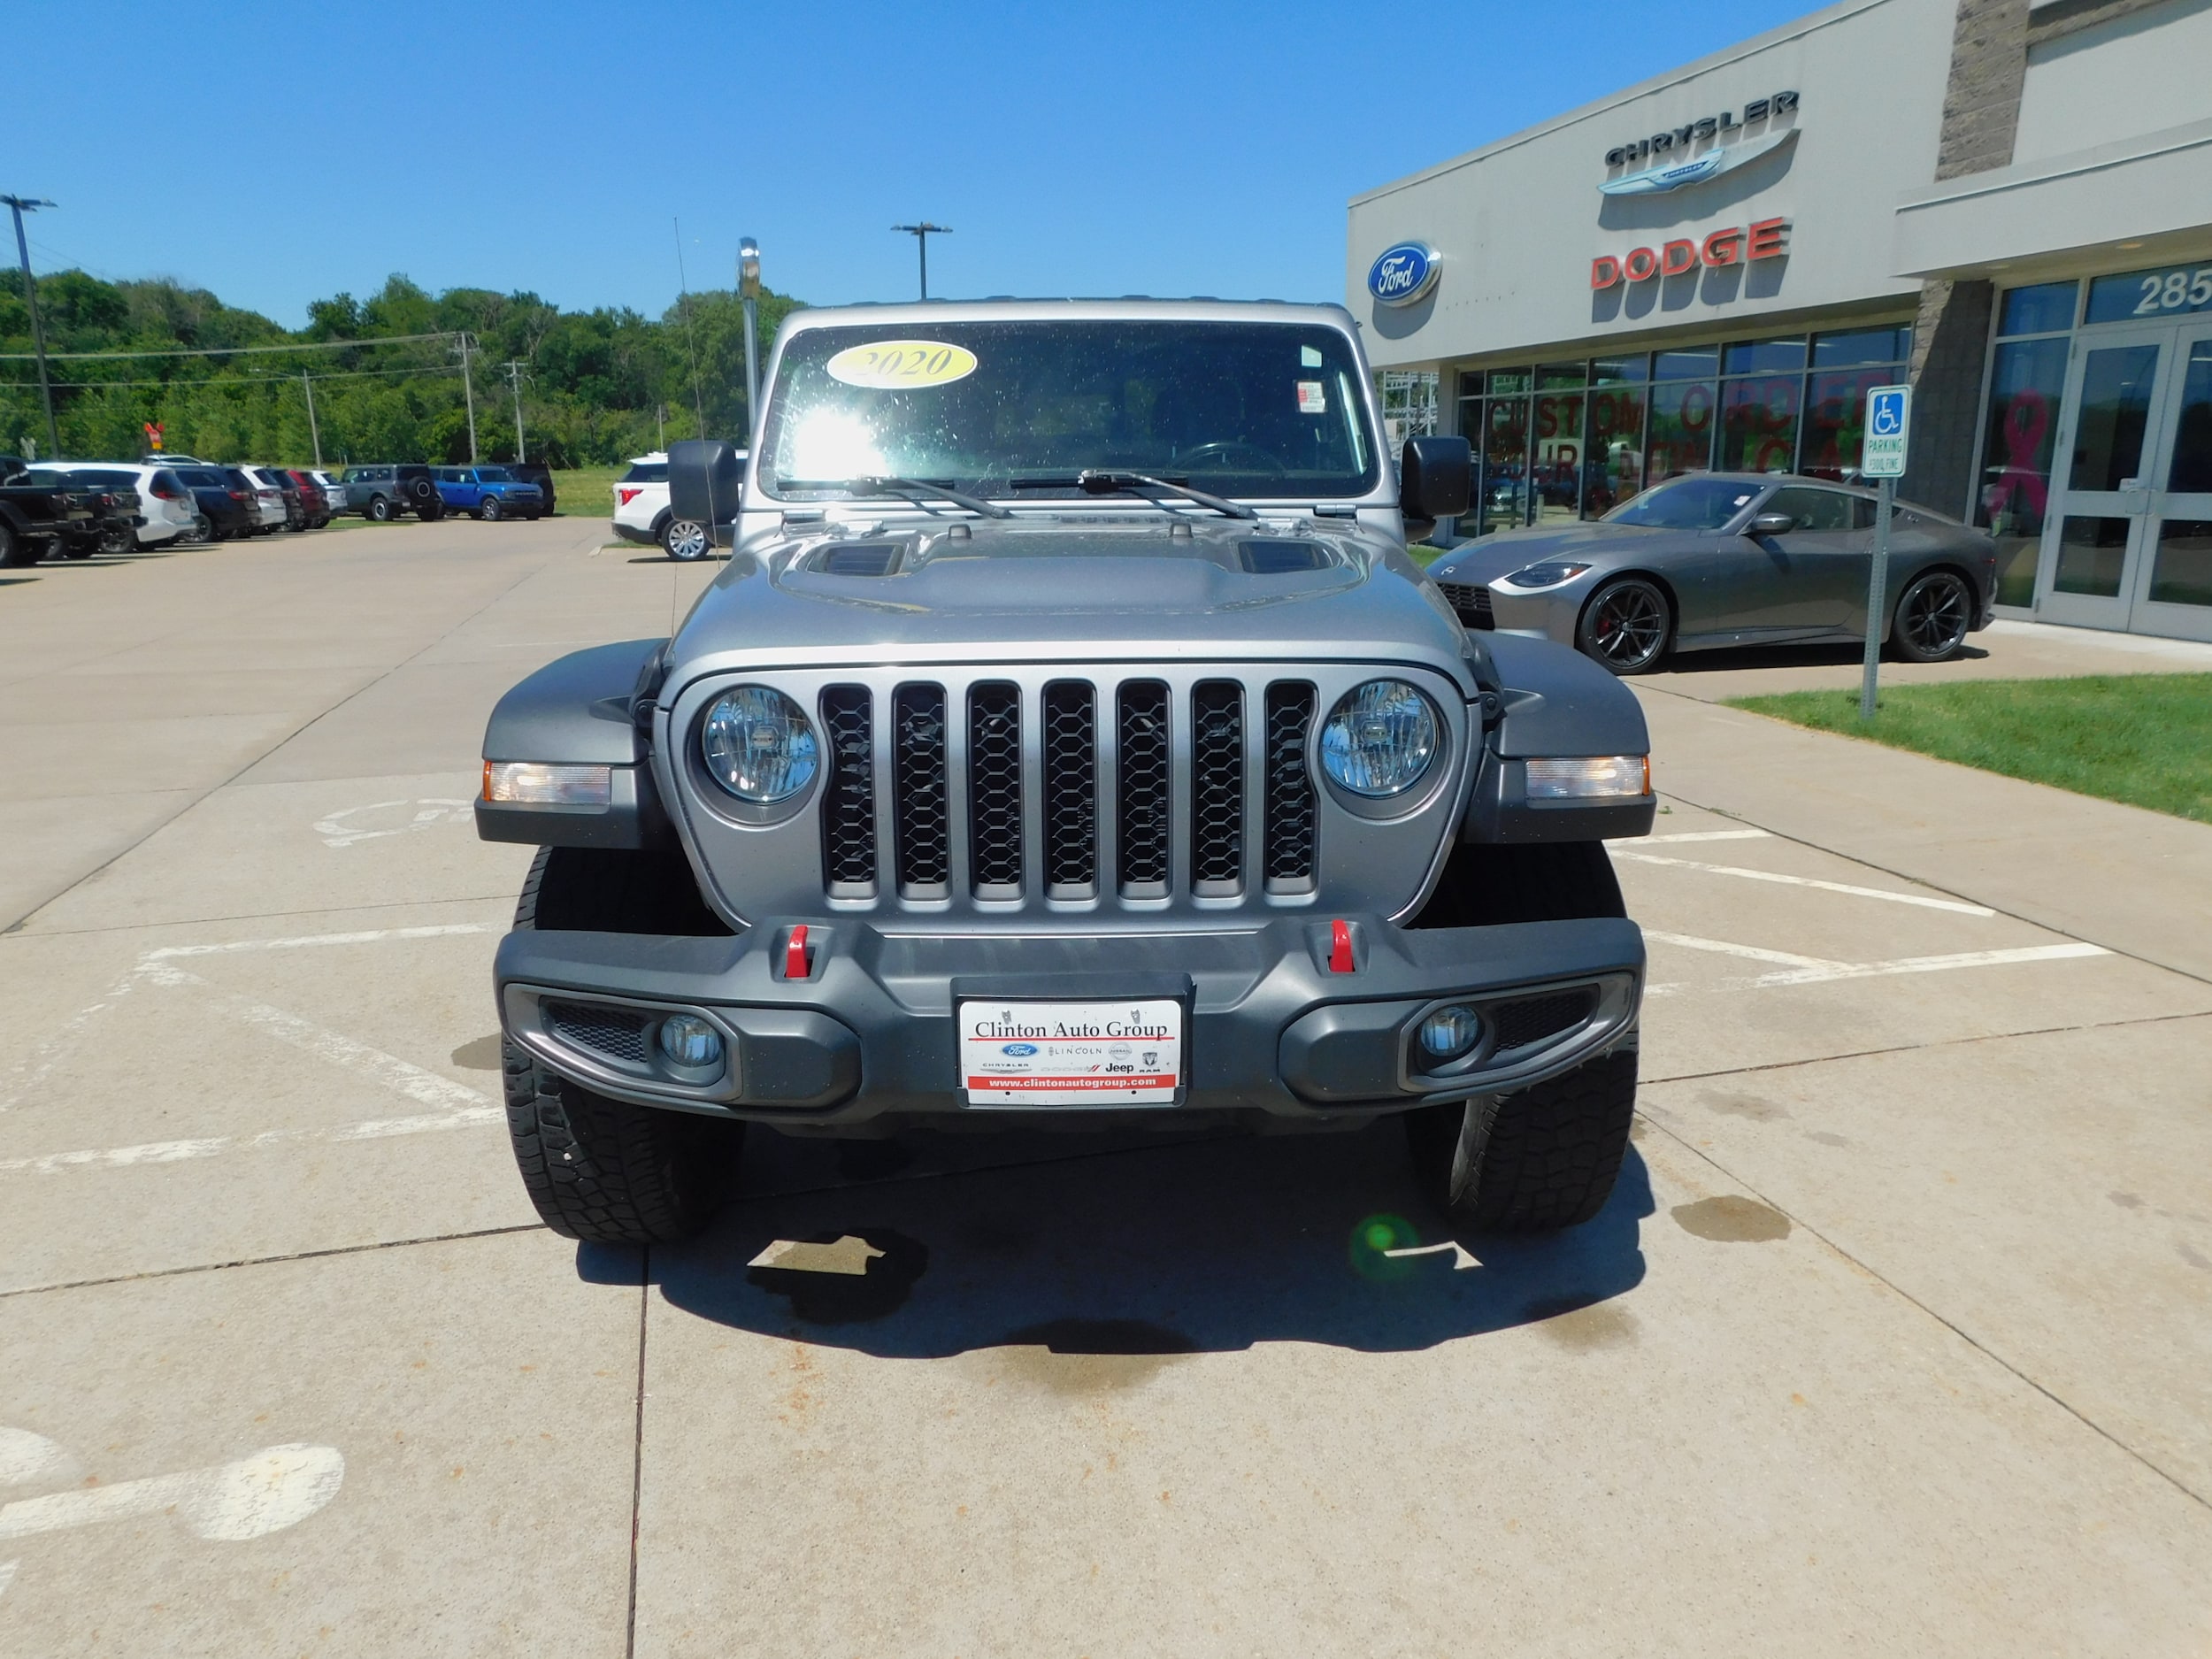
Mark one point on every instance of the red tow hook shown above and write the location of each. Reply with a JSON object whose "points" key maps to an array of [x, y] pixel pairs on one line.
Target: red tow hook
{"points": [[1341, 947], [795, 965]]}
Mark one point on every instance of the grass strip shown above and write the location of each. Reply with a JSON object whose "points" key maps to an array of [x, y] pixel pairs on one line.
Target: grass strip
{"points": [[2142, 739]]}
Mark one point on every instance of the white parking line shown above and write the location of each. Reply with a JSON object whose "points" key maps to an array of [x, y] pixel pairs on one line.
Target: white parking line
{"points": [[1708, 835], [1956, 906], [275, 1488], [208, 1147], [1749, 953], [1816, 970]]}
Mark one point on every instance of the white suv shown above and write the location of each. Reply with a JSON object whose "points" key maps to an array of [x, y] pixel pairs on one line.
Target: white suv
{"points": [[166, 511], [641, 512]]}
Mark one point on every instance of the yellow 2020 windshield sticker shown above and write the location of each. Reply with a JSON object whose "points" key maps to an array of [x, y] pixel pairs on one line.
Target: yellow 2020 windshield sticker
{"points": [[893, 364]]}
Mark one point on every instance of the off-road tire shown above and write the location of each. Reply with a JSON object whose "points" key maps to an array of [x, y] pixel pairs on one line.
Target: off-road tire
{"points": [[17, 550], [685, 540], [603, 1170], [1534, 1161], [490, 512], [379, 510]]}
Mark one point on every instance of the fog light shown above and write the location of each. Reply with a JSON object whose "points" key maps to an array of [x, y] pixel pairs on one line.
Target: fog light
{"points": [[1449, 1032], [690, 1042]]}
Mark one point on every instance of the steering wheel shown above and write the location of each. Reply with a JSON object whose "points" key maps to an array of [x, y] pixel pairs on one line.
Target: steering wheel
{"points": [[1222, 451]]}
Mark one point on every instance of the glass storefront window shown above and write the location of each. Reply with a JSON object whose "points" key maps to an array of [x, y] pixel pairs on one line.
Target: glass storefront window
{"points": [[1695, 363], [1614, 468], [2192, 469], [2183, 573], [1852, 347], [1835, 420], [1681, 426], [1555, 472], [2091, 553], [2146, 296], [1507, 381], [2116, 407], [1764, 356], [2046, 309], [1758, 424], [1504, 464], [2027, 379]]}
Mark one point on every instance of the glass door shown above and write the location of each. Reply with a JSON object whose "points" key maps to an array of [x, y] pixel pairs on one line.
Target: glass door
{"points": [[2094, 541], [2176, 557]]}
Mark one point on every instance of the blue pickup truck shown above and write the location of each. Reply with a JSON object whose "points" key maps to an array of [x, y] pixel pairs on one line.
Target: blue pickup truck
{"points": [[489, 493]]}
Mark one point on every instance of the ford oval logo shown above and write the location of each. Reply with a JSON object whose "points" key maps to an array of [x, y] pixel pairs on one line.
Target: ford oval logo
{"points": [[1019, 1050], [1404, 273]]}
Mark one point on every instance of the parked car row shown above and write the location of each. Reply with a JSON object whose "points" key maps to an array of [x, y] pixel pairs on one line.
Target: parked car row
{"points": [[381, 491]]}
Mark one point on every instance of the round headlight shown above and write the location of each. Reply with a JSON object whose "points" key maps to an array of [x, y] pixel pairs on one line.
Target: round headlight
{"points": [[757, 744], [1379, 739]]}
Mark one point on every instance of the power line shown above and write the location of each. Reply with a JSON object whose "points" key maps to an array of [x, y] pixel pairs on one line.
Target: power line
{"points": [[238, 351], [233, 380]]}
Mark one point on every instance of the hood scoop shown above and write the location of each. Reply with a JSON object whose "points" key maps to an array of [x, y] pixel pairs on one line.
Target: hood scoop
{"points": [[1280, 557], [860, 558]]}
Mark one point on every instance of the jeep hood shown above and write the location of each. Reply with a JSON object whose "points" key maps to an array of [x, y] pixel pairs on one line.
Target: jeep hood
{"points": [[1112, 586]]}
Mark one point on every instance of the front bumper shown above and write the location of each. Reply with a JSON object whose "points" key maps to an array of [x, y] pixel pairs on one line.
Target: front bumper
{"points": [[868, 1034], [1549, 613]]}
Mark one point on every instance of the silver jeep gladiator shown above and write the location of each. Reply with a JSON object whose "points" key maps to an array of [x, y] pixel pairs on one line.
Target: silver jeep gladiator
{"points": [[1068, 740]]}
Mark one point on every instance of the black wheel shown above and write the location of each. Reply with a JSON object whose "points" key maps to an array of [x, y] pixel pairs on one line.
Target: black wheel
{"points": [[685, 540], [491, 512], [1933, 614], [600, 1170], [379, 510], [1626, 626], [1533, 1161], [15, 549]]}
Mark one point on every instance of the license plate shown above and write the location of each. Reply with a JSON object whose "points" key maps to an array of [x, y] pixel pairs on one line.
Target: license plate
{"points": [[1072, 1054]]}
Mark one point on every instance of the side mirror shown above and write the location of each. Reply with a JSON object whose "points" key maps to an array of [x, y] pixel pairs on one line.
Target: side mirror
{"points": [[1434, 477], [706, 480], [1770, 524]]}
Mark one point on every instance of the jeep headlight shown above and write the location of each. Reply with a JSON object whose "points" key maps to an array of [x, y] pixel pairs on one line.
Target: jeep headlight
{"points": [[757, 745], [1379, 739]]}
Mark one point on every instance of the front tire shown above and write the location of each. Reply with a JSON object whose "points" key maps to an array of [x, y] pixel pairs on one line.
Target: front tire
{"points": [[685, 540], [597, 1170], [1627, 625], [1933, 614], [490, 512], [1534, 1161]]}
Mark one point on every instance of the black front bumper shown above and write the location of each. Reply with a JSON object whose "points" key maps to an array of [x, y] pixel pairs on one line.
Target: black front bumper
{"points": [[868, 1034]]}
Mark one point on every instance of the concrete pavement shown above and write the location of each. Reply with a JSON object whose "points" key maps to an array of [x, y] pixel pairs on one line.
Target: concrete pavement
{"points": [[1892, 1339]]}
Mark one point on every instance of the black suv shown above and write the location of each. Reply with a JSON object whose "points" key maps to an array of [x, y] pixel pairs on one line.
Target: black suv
{"points": [[228, 510], [533, 473], [381, 493]]}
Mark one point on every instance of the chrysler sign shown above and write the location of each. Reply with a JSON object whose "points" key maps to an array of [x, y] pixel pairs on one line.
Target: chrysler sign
{"points": [[1403, 275], [1665, 161]]}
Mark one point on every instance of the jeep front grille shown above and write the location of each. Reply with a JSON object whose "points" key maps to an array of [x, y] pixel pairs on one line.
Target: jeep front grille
{"points": [[1046, 776]]}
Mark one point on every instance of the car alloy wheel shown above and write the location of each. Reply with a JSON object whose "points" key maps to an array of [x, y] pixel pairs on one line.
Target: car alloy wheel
{"points": [[1933, 617], [685, 539], [380, 511], [489, 511], [1626, 626]]}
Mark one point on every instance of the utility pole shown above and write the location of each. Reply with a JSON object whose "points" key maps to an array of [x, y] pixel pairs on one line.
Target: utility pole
{"points": [[19, 205], [514, 378], [468, 391], [749, 290], [921, 233], [660, 417], [313, 431]]}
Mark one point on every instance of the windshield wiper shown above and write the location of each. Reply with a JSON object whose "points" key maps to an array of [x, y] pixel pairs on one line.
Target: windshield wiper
{"points": [[917, 490], [1097, 480]]}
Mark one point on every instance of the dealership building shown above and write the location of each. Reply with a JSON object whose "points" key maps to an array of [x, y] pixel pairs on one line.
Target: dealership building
{"points": [[2007, 204]]}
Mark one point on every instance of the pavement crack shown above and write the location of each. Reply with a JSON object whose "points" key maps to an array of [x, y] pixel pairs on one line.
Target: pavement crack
{"points": [[265, 1261], [1950, 1324]]}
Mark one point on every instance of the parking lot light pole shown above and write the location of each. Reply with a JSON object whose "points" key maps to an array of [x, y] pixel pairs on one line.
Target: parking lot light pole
{"points": [[749, 291], [19, 205], [921, 233]]}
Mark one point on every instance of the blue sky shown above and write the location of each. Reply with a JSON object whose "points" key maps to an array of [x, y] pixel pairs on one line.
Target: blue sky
{"points": [[278, 153]]}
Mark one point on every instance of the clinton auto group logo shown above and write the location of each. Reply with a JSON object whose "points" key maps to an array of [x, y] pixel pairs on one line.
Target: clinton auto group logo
{"points": [[1019, 1050], [1700, 150], [1403, 274]]}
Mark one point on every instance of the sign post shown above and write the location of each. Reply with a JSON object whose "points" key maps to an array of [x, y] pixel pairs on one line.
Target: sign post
{"points": [[1888, 425]]}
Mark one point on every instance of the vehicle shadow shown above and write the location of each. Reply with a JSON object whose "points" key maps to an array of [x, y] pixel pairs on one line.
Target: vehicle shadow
{"points": [[1143, 1247], [1841, 654]]}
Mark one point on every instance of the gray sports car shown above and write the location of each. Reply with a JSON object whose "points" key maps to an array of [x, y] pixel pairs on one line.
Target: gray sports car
{"points": [[1726, 558]]}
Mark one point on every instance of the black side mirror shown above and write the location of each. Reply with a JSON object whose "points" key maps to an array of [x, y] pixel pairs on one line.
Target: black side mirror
{"points": [[1770, 524], [1435, 476], [706, 481]]}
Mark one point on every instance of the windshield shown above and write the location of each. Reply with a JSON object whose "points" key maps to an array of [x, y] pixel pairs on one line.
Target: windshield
{"points": [[1687, 503], [1267, 409]]}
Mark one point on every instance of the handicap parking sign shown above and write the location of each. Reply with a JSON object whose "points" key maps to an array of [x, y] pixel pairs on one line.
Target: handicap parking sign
{"points": [[1888, 421]]}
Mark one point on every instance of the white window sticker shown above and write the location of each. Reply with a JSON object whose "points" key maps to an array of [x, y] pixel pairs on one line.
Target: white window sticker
{"points": [[1309, 356], [1072, 1054], [1312, 399]]}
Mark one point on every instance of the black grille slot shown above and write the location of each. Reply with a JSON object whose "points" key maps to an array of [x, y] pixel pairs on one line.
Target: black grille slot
{"points": [[922, 836], [613, 1033], [861, 558], [1217, 808], [1277, 558], [1288, 821], [1070, 756], [994, 789], [1143, 774], [1534, 1018], [1470, 600], [849, 798]]}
